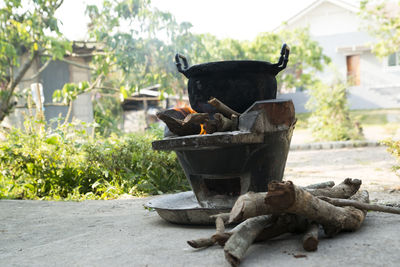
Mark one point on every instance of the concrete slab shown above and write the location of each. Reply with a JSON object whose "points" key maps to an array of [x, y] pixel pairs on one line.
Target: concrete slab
{"points": [[123, 233]]}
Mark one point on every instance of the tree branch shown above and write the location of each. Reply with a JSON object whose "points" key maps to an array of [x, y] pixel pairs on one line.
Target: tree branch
{"points": [[14, 82], [45, 65]]}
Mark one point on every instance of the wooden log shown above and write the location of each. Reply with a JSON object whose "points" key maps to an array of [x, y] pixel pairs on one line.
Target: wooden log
{"points": [[210, 126], [222, 108], [219, 237], [223, 124], [252, 204], [285, 197], [320, 185], [260, 228], [360, 205], [235, 122], [201, 242], [188, 126], [240, 241], [196, 118], [343, 190], [224, 216], [249, 205], [310, 238]]}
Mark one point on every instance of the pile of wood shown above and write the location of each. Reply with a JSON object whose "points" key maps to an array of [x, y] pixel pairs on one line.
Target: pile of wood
{"points": [[287, 208], [201, 123]]}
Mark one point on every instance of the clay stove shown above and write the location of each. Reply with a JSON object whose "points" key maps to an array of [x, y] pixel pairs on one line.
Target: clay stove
{"points": [[223, 165]]}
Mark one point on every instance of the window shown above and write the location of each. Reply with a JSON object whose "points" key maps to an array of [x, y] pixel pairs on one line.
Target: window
{"points": [[394, 59]]}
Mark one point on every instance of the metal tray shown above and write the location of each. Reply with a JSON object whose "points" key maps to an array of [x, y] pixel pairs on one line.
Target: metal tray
{"points": [[183, 208]]}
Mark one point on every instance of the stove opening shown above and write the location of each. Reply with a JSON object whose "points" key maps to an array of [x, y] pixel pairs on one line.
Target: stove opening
{"points": [[226, 186]]}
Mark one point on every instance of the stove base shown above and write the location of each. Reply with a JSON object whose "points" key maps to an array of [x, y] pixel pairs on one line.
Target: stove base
{"points": [[183, 208]]}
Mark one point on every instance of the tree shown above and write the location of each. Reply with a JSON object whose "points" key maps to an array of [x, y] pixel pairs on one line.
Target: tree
{"points": [[138, 44], [28, 32], [306, 56], [134, 56], [382, 19]]}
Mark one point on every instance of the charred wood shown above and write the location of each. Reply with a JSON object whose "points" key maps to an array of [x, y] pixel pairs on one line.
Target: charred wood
{"points": [[188, 126]]}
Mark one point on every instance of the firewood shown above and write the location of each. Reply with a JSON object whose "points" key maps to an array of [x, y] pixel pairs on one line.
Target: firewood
{"points": [[210, 126], [260, 228], [321, 185], [201, 242], [235, 122], [196, 118], [219, 237], [252, 204], [190, 125], [285, 197], [310, 238], [222, 108], [343, 190], [223, 124], [224, 216], [239, 242], [360, 205]]}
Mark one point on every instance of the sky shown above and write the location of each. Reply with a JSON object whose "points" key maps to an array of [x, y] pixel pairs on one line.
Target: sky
{"points": [[237, 19]]}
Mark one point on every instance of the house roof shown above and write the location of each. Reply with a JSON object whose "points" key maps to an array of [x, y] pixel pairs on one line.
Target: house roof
{"points": [[346, 5]]}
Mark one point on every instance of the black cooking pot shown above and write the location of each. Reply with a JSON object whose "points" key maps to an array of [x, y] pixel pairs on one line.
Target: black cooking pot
{"points": [[238, 84]]}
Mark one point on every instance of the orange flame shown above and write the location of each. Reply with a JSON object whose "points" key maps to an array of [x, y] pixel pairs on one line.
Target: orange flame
{"points": [[203, 131], [186, 110]]}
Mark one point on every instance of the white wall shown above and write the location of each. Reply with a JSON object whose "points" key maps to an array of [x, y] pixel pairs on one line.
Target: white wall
{"points": [[327, 19]]}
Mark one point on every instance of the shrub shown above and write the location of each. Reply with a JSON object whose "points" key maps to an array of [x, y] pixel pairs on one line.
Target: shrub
{"points": [[65, 163], [393, 147], [330, 117]]}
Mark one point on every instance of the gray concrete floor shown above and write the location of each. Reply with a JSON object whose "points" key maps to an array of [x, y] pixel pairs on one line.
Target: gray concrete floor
{"points": [[123, 233]]}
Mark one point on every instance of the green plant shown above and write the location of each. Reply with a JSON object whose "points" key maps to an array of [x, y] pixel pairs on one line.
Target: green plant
{"points": [[65, 163], [382, 21], [330, 118], [28, 32], [393, 147]]}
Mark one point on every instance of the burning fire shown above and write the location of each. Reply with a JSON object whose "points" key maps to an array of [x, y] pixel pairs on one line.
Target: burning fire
{"points": [[186, 110]]}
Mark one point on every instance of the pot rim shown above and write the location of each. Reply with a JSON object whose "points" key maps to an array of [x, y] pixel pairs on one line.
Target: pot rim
{"points": [[231, 66]]}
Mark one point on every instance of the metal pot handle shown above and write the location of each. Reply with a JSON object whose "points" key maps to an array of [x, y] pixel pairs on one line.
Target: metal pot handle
{"points": [[284, 58], [179, 64]]}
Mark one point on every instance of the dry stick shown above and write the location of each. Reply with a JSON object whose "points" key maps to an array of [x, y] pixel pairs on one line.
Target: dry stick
{"points": [[235, 122], [201, 242], [285, 197], [190, 125], [219, 237], [320, 185], [252, 204], [196, 118], [343, 190], [224, 216], [239, 242], [360, 205], [210, 126], [310, 238], [237, 245], [223, 124], [222, 108]]}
